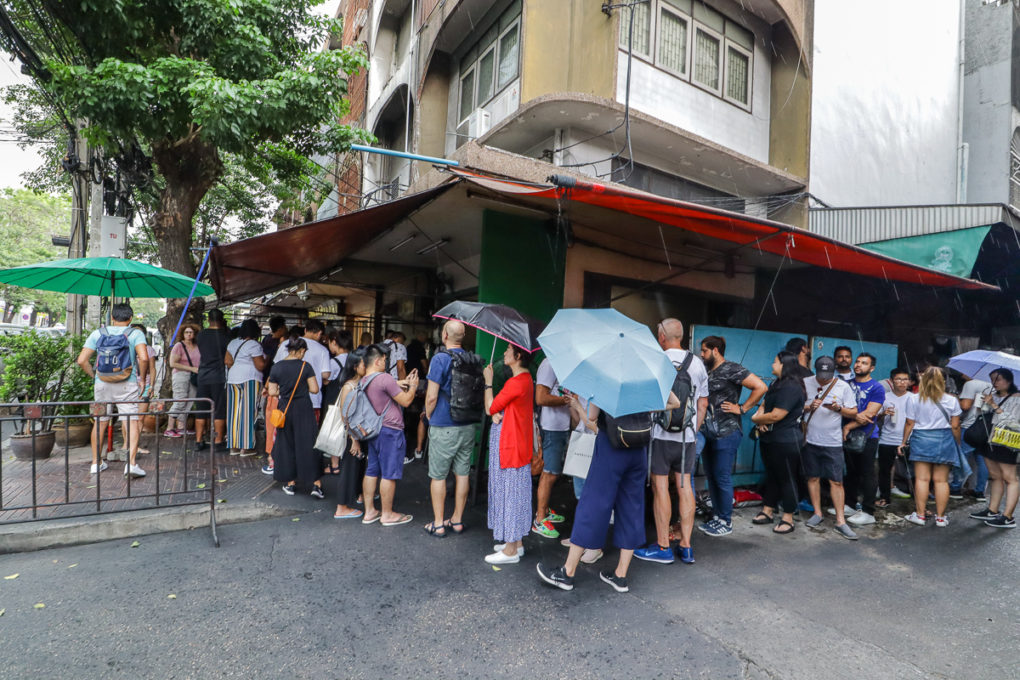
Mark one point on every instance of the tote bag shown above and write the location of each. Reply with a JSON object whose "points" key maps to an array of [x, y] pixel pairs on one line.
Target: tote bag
{"points": [[579, 453], [332, 437]]}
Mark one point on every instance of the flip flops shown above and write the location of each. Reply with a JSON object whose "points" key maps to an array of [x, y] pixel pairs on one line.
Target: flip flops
{"points": [[404, 519], [354, 515], [762, 518], [779, 528], [371, 521]]}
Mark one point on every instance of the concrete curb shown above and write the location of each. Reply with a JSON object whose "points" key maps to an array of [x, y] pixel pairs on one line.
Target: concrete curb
{"points": [[41, 535]]}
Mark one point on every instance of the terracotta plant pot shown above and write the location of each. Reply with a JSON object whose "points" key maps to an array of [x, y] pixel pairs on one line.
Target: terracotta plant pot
{"points": [[22, 445], [78, 434], [150, 422]]}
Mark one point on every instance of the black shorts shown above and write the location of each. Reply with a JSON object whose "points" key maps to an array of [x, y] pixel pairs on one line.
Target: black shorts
{"points": [[218, 393], [669, 456], [823, 461]]}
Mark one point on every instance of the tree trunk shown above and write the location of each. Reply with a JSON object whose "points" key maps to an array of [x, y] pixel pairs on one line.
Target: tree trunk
{"points": [[190, 167]]}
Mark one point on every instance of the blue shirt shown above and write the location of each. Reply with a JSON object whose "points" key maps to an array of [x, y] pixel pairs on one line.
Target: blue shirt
{"points": [[135, 338], [866, 393], [440, 373]]}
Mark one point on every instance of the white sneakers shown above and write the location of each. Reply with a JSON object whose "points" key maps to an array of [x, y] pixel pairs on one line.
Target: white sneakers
{"points": [[847, 511], [860, 518], [96, 469], [914, 518], [941, 521], [499, 548], [134, 470], [500, 557]]}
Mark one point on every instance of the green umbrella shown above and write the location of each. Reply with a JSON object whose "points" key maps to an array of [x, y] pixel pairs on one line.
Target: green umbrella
{"points": [[103, 276]]}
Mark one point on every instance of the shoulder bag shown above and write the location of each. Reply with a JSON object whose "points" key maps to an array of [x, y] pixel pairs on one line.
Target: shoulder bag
{"points": [[949, 421], [804, 423], [980, 431], [277, 418], [332, 437], [579, 453]]}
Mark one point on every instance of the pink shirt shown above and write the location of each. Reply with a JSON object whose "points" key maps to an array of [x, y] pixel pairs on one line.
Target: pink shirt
{"points": [[178, 354], [380, 392]]}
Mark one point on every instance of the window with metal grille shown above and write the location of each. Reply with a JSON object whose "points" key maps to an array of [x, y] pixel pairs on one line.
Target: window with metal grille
{"points": [[492, 63], [642, 28], [707, 48], [738, 76], [673, 42]]}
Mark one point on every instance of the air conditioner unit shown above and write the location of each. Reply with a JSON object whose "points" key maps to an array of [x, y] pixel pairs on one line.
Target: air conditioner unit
{"points": [[478, 123]]}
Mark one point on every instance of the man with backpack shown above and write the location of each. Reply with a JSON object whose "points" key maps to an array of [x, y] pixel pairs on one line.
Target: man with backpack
{"points": [[122, 362], [452, 430], [674, 447], [385, 437]]}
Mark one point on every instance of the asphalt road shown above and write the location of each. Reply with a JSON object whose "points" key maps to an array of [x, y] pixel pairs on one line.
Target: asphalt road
{"points": [[321, 598]]}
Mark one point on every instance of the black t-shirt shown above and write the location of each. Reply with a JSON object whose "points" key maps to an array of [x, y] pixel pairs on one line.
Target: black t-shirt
{"points": [[787, 395], [269, 346], [285, 374], [724, 384], [212, 343], [416, 354]]}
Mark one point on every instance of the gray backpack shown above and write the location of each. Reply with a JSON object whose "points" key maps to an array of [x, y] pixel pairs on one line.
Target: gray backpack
{"points": [[363, 423]]}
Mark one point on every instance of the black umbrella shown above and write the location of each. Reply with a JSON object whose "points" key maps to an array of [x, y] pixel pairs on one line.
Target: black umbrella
{"points": [[506, 323]]}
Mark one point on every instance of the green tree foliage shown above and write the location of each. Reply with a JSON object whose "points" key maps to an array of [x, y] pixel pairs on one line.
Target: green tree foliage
{"points": [[40, 367], [27, 222]]}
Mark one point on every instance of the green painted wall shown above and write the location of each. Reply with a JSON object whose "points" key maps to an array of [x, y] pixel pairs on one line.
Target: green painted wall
{"points": [[522, 266]]}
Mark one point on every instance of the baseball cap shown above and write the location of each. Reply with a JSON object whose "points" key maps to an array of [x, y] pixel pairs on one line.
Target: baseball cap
{"points": [[825, 368]]}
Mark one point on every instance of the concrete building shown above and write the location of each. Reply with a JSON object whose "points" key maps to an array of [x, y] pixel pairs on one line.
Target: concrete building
{"points": [[915, 147]]}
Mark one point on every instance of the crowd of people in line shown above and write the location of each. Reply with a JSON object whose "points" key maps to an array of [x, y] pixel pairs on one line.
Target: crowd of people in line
{"points": [[872, 440]]}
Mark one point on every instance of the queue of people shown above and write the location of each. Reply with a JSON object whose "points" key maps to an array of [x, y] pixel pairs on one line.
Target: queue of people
{"points": [[836, 423]]}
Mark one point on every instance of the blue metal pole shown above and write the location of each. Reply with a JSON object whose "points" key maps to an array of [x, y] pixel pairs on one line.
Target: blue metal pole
{"points": [[401, 154], [191, 296]]}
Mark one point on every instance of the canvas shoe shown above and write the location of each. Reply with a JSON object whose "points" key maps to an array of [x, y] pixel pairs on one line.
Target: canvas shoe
{"points": [[845, 531], [941, 521], [655, 553], [847, 511], [267, 469], [317, 492], [555, 577], [955, 494], [544, 529], [500, 557], [499, 548], [134, 470], [860, 519], [814, 522], [95, 469], [618, 583], [173, 434], [897, 492], [590, 556], [914, 518]]}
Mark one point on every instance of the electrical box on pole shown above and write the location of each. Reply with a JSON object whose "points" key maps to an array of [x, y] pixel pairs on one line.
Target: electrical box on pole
{"points": [[113, 236]]}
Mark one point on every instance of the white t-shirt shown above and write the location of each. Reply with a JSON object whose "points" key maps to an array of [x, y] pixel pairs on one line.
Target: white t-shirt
{"points": [[699, 379], [552, 418], [846, 376], [974, 389], [317, 358], [892, 426], [825, 428], [243, 370], [336, 366], [927, 416], [397, 353]]}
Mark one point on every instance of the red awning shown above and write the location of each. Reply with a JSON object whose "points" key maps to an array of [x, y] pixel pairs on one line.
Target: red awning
{"points": [[745, 231], [262, 264]]}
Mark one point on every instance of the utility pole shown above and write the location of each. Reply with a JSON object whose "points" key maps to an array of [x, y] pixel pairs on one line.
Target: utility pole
{"points": [[79, 223], [93, 316]]}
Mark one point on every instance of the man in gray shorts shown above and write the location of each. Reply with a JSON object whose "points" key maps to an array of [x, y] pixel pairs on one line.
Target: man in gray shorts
{"points": [[450, 443], [676, 453], [829, 400]]}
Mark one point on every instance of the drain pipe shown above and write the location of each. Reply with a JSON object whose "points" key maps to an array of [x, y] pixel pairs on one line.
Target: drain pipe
{"points": [[962, 148]]}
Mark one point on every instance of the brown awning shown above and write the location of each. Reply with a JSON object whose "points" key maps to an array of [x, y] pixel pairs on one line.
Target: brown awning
{"points": [[245, 269]]}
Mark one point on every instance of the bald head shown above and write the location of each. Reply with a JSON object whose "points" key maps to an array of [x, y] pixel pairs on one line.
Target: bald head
{"points": [[670, 333], [453, 333]]}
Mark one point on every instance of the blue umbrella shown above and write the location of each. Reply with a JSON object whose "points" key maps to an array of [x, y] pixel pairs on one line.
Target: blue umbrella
{"points": [[979, 363], [609, 359]]}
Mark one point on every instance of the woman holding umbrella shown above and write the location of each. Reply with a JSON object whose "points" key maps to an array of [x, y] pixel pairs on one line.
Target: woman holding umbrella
{"points": [[511, 445], [1001, 461]]}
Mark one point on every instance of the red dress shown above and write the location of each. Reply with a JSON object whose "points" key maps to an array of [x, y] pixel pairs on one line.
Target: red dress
{"points": [[517, 438]]}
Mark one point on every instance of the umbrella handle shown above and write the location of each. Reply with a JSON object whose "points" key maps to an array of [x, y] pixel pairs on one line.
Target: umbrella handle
{"points": [[191, 295]]}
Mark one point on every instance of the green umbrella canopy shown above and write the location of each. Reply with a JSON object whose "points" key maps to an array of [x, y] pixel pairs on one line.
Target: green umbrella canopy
{"points": [[103, 276]]}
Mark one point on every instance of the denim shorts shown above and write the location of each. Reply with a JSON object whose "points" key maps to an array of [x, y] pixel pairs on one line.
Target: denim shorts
{"points": [[937, 447], [554, 449]]}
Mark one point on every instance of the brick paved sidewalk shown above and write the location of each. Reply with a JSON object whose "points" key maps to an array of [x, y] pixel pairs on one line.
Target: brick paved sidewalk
{"points": [[64, 487]]}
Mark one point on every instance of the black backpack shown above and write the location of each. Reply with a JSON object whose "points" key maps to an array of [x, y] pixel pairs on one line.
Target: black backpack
{"points": [[632, 431], [682, 417], [467, 399]]}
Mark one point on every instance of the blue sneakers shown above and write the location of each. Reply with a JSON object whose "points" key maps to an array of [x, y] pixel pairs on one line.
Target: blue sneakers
{"points": [[655, 553], [805, 505], [686, 555]]}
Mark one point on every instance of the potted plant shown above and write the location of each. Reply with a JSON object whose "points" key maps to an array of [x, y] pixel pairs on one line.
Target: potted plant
{"points": [[36, 368]]}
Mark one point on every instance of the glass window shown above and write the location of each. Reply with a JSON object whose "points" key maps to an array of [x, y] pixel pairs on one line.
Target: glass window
{"points": [[706, 59], [642, 28], [737, 74], [508, 55], [673, 42], [486, 76], [467, 94]]}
